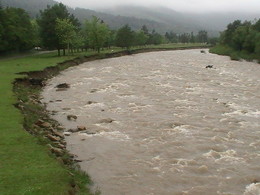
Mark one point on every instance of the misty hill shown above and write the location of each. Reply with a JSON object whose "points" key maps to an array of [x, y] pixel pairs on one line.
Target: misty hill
{"points": [[159, 18], [213, 22], [178, 22], [33, 7]]}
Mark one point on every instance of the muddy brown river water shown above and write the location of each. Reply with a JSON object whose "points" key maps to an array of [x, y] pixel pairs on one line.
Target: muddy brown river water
{"points": [[160, 123]]}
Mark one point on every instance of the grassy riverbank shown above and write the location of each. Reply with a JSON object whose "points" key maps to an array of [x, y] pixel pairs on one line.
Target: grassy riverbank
{"points": [[27, 166], [234, 55]]}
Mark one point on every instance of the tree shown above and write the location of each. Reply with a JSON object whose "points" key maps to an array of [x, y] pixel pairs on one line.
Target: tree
{"points": [[202, 36], [16, 32], [227, 35], [239, 37], [97, 33], [155, 38], [125, 37], [141, 38], [65, 31], [47, 23], [36, 33], [2, 41], [145, 30]]}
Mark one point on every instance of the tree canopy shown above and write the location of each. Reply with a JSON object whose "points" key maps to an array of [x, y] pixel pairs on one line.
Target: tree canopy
{"points": [[16, 30], [47, 23]]}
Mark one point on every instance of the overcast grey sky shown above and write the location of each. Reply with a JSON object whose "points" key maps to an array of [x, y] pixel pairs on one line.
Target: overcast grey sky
{"points": [[252, 6]]}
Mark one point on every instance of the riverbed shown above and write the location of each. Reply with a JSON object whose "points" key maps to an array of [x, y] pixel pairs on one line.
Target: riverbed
{"points": [[161, 123]]}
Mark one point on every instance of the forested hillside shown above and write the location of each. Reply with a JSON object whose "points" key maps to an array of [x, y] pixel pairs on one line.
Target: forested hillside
{"points": [[161, 20]]}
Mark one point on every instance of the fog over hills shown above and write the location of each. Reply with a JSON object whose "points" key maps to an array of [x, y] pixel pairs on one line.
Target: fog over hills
{"points": [[160, 18]]}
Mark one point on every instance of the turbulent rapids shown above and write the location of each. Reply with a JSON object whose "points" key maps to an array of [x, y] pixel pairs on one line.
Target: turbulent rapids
{"points": [[161, 123]]}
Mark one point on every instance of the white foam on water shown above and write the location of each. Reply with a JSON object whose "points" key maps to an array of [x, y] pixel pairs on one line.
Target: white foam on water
{"points": [[114, 135], [100, 105], [252, 189], [92, 79], [229, 156]]}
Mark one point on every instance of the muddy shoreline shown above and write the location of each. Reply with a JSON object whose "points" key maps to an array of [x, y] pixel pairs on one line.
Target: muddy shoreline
{"points": [[37, 120]]}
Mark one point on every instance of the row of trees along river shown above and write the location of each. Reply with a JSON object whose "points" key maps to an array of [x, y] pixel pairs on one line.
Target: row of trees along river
{"points": [[56, 28], [240, 40]]}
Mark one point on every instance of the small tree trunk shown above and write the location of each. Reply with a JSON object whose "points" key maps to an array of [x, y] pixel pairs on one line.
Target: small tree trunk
{"points": [[64, 52], [58, 52]]}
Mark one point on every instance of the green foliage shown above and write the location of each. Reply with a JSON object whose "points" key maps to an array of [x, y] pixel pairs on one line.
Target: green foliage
{"points": [[202, 36], [125, 37], [15, 27], [243, 39], [155, 38], [47, 23], [97, 33], [141, 38], [65, 31]]}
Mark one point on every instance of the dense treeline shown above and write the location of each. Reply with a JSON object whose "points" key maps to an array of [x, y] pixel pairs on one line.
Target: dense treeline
{"points": [[16, 30], [240, 40], [56, 28]]}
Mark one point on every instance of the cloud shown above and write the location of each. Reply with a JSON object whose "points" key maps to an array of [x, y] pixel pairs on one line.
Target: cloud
{"points": [[178, 5]]}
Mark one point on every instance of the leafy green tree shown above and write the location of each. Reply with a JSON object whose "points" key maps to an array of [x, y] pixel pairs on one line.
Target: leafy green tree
{"points": [[155, 38], [202, 36], [2, 41], [145, 30], [97, 33], [184, 38], [141, 38], [171, 37], [16, 33], [239, 37], [125, 37], [36, 33], [78, 41], [65, 31], [227, 35], [47, 23]]}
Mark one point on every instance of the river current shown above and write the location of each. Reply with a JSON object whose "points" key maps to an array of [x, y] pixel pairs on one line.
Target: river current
{"points": [[161, 123]]}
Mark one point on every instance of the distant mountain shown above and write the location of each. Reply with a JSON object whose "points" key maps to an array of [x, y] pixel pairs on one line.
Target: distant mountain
{"points": [[160, 19], [178, 22], [33, 7], [182, 22]]}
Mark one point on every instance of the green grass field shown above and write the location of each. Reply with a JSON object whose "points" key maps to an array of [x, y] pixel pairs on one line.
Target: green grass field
{"points": [[27, 167]]}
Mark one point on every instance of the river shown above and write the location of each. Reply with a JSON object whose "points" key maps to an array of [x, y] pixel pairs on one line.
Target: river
{"points": [[160, 123]]}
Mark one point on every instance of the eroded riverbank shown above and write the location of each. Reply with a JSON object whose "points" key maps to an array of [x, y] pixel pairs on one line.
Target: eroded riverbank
{"points": [[161, 123]]}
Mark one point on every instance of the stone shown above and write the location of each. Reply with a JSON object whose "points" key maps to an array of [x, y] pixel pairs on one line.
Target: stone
{"points": [[43, 124], [61, 146], [81, 128], [53, 138], [59, 134], [108, 120], [67, 133], [60, 127], [93, 90], [202, 51], [91, 102], [72, 117], [57, 151], [209, 66], [63, 85]]}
